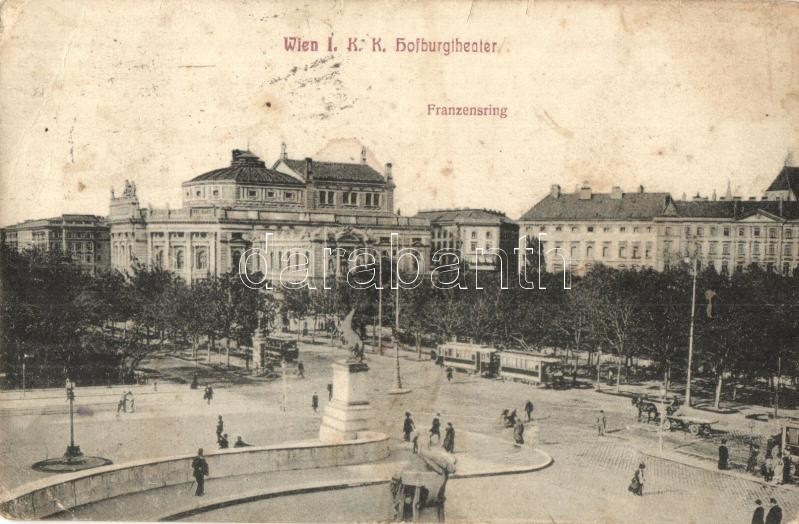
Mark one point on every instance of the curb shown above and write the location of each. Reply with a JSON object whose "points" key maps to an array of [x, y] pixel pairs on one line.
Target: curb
{"points": [[333, 486]]}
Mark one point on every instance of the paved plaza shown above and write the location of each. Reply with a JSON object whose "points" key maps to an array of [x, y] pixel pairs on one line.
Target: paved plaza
{"points": [[587, 482]]}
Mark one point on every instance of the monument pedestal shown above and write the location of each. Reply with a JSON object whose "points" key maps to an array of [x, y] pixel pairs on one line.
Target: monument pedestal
{"points": [[349, 412]]}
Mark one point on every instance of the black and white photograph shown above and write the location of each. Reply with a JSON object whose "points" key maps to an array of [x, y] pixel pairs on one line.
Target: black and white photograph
{"points": [[394, 261]]}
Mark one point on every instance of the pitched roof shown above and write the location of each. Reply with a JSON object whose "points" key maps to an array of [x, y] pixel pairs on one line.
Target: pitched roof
{"points": [[336, 171], [601, 206], [247, 168], [787, 180], [465, 214], [735, 209]]}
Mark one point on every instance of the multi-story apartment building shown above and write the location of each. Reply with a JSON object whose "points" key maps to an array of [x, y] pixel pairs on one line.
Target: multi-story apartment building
{"points": [[652, 230], [291, 212], [84, 238], [467, 230]]}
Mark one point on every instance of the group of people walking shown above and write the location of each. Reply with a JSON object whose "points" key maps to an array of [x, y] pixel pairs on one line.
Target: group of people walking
{"points": [[126, 403], [411, 435], [509, 419]]}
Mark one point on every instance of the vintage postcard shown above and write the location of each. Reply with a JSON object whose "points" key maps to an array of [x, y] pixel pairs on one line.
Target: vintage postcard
{"points": [[351, 261]]}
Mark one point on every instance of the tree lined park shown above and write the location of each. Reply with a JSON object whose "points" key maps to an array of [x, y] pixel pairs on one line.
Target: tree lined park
{"points": [[58, 322]]}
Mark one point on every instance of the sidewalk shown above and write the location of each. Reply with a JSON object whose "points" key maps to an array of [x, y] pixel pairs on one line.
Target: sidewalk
{"points": [[178, 502]]}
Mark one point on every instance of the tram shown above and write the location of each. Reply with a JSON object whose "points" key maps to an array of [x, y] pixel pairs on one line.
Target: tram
{"points": [[530, 368], [790, 439], [469, 358], [278, 347]]}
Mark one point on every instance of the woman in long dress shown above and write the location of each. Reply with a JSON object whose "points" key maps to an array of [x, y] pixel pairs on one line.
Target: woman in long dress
{"points": [[637, 483], [449, 438]]}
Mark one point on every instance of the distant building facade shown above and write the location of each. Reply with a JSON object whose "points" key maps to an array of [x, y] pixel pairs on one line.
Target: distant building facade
{"points": [[467, 230], [303, 205], [652, 230], [83, 238]]}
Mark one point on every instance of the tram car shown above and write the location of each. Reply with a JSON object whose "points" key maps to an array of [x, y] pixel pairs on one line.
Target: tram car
{"points": [[530, 368], [277, 347], [470, 358], [790, 439]]}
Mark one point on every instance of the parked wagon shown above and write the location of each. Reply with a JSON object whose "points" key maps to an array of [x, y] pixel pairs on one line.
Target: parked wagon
{"points": [[696, 426]]}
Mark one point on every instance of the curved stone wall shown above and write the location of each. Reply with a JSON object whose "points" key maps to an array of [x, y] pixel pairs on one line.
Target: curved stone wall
{"points": [[45, 497]]}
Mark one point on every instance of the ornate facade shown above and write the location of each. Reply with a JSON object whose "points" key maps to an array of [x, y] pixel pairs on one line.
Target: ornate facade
{"points": [[641, 230], [83, 238], [291, 211]]}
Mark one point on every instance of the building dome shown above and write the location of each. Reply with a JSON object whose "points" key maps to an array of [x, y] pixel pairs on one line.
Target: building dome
{"points": [[247, 168]]}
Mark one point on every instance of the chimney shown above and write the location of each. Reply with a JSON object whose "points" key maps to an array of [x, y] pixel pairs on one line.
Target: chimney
{"points": [[308, 168], [389, 177], [616, 193], [585, 193], [640, 189], [363, 155], [554, 191], [284, 154]]}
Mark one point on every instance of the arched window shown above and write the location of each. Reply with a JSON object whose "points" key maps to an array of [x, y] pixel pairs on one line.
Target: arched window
{"points": [[179, 259]]}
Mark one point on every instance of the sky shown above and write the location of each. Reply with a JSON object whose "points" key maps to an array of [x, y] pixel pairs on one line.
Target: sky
{"points": [[683, 97]]}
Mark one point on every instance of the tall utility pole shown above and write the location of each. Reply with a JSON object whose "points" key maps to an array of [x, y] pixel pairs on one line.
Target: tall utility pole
{"points": [[380, 310], [73, 451], [397, 389], [694, 262]]}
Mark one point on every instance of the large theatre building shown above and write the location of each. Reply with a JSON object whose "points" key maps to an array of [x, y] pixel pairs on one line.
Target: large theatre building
{"points": [[294, 208]]}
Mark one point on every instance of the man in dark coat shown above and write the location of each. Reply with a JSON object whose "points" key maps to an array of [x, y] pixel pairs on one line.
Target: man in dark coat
{"points": [[449, 374], [240, 443], [528, 408], [751, 462], [449, 438], [724, 454], [408, 427], [223, 442], [774, 515], [315, 402], [200, 470], [330, 392], [435, 429], [220, 427], [759, 514]]}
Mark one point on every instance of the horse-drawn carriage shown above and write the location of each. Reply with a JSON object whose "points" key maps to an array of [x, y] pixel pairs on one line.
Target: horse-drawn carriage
{"points": [[676, 415]]}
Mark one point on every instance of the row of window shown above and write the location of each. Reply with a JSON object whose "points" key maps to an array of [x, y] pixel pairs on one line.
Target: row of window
{"points": [[350, 198], [726, 231], [593, 228], [726, 247], [633, 250]]}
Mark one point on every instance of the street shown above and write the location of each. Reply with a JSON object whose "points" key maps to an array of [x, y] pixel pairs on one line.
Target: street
{"points": [[587, 482]]}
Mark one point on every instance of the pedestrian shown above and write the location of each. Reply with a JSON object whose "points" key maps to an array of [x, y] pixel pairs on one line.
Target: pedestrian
{"points": [[511, 420], [601, 423], [528, 408], [124, 403], [786, 466], [301, 369], [132, 401], [223, 442], [315, 402], [449, 374], [121, 405], [518, 433], [724, 455], [155, 385], [210, 393], [240, 443], [330, 392], [503, 417], [200, 470], [449, 438], [751, 462], [408, 426], [435, 429], [759, 514], [610, 377], [220, 427], [774, 515], [637, 483], [777, 468]]}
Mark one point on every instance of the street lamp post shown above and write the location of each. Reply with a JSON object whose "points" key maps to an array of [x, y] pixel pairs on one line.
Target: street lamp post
{"points": [[694, 262], [73, 452], [24, 359], [380, 310], [397, 377]]}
